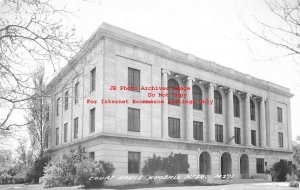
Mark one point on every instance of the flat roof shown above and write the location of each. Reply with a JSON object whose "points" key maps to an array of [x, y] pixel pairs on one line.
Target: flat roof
{"points": [[107, 30]]}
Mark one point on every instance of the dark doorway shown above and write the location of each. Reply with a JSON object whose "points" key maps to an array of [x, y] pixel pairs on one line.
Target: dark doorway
{"points": [[226, 164], [204, 161], [244, 166]]}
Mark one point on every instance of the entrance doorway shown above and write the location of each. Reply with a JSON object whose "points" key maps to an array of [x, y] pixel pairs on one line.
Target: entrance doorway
{"points": [[226, 164]]}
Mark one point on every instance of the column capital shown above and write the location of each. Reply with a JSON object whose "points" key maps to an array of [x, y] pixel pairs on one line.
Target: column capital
{"points": [[246, 95], [190, 78], [262, 99], [230, 90], [210, 85], [166, 71]]}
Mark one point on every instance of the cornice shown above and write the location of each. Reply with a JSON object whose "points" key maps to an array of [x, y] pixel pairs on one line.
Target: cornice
{"points": [[135, 40]]}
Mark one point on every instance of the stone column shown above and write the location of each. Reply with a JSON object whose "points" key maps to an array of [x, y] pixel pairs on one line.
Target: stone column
{"points": [[247, 124], [164, 108], [211, 114], [189, 109], [262, 123], [230, 117]]}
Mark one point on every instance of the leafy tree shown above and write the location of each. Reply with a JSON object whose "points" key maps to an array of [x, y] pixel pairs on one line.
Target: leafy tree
{"points": [[296, 149], [5, 159]]}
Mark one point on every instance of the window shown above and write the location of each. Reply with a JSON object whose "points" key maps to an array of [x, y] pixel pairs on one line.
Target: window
{"points": [[65, 132], [57, 136], [219, 133], [93, 80], [76, 92], [92, 120], [198, 130], [133, 119], [253, 137], [218, 102], [279, 114], [197, 96], [260, 165], [237, 135], [76, 128], [174, 127], [252, 110], [236, 106], [172, 92], [134, 162], [134, 79], [280, 139], [57, 106], [182, 158], [66, 100], [92, 155]]}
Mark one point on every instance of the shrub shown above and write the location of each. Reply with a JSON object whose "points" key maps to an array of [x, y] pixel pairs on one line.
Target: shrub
{"points": [[74, 169], [54, 175], [93, 174], [35, 171], [294, 183], [281, 169], [151, 166], [176, 164]]}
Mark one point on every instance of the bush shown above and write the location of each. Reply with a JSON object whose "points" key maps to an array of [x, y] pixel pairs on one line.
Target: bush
{"points": [[35, 171], [93, 174], [54, 175], [151, 166], [176, 164], [74, 169], [281, 169], [294, 183]]}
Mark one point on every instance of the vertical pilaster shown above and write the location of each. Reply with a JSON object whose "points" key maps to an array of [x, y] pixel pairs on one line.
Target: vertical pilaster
{"points": [[189, 109], [164, 115], [247, 124], [230, 117], [262, 123], [211, 114]]}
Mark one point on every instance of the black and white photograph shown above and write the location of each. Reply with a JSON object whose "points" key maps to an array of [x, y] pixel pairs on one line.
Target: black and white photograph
{"points": [[150, 94]]}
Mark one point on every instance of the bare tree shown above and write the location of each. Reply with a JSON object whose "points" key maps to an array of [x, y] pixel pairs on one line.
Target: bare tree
{"points": [[38, 114], [32, 32], [284, 30]]}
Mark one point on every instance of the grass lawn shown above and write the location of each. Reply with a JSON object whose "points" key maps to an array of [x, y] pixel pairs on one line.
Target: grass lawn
{"points": [[246, 186]]}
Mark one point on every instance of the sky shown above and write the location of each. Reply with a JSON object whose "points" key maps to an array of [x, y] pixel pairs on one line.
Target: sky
{"points": [[214, 30]]}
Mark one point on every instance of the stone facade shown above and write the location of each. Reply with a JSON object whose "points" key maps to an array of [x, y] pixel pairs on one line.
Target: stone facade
{"points": [[112, 51]]}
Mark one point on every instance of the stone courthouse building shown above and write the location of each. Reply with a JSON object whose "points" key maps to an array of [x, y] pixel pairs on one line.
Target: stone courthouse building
{"points": [[243, 132]]}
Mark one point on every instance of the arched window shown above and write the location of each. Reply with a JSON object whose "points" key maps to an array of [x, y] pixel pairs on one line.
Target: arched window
{"points": [[197, 96], [252, 110], [173, 99], [218, 102], [236, 106], [204, 163]]}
